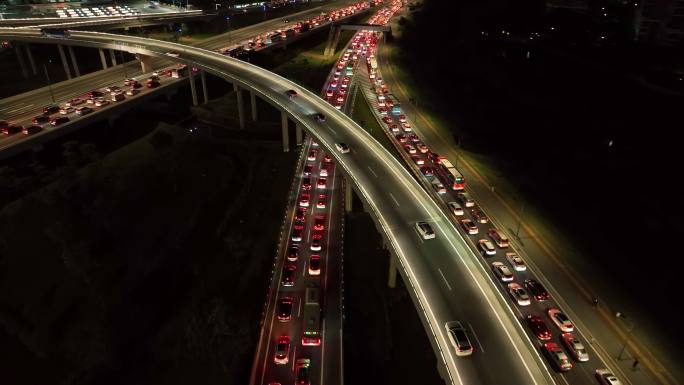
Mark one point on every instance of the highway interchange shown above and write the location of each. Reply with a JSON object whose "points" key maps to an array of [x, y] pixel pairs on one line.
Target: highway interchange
{"points": [[445, 275]]}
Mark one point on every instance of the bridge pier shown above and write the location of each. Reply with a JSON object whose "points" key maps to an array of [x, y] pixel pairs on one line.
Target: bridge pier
{"points": [[392, 274], [20, 59], [103, 59], [348, 197], [73, 61], [240, 105], [30, 58], [205, 91], [112, 56], [298, 134], [145, 63], [252, 99], [64, 61], [286, 135], [333, 38], [193, 90]]}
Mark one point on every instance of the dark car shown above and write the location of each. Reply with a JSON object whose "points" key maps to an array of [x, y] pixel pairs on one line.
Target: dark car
{"points": [[538, 327], [300, 215], [479, 216], [49, 110], [285, 309], [427, 171], [59, 120], [95, 94], [40, 119], [152, 84], [537, 290], [291, 93], [3, 124], [11, 129], [293, 253], [306, 184], [319, 117], [30, 130], [289, 273]]}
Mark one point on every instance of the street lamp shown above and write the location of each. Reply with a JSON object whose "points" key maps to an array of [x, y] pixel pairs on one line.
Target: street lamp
{"points": [[47, 77], [627, 337]]}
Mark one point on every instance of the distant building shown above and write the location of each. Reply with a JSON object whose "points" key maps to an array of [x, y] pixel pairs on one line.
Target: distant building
{"points": [[660, 22]]}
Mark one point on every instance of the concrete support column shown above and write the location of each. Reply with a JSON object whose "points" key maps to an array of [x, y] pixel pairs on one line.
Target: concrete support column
{"points": [[73, 61], [20, 59], [205, 90], [146, 63], [331, 37], [298, 134], [30, 58], [286, 135], [348, 197], [103, 59], [112, 56], [193, 90], [252, 99], [64, 60], [240, 105], [392, 274], [336, 40]]}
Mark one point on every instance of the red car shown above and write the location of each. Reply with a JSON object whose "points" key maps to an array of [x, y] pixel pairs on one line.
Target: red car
{"points": [[319, 223], [538, 327], [537, 290], [282, 350], [306, 184], [387, 119]]}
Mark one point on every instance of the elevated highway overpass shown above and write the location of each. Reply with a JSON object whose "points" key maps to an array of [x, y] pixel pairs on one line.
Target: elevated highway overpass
{"points": [[442, 275]]}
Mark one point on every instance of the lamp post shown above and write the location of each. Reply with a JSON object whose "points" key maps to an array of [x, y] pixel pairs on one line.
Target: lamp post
{"points": [[47, 77], [627, 337]]}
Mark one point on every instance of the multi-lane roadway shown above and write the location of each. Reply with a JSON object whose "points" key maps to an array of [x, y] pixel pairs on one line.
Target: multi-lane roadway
{"points": [[443, 275]]}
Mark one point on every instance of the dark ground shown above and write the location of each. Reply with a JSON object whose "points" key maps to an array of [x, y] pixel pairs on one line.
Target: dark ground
{"points": [[152, 268], [548, 122], [384, 340]]}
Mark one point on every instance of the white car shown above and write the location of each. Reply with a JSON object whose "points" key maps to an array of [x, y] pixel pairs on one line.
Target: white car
{"points": [[465, 199], [438, 186], [425, 230], [410, 149], [455, 208], [516, 262], [459, 338], [502, 272], [519, 294], [606, 377], [132, 92], [66, 110], [342, 147], [486, 247], [469, 226], [561, 320], [575, 347]]}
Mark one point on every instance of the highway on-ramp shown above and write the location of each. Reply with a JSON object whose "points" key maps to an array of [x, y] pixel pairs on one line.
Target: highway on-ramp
{"points": [[444, 278]]}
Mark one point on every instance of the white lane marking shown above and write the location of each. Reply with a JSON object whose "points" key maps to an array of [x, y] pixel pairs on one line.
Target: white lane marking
{"points": [[444, 278], [394, 199], [476, 338], [294, 355], [322, 349], [333, 130], [372, 172], [299, 311]]}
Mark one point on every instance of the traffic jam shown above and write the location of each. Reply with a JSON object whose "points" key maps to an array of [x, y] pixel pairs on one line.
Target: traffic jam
{"points": [[547, 325], [295, 342], [55, 115]]}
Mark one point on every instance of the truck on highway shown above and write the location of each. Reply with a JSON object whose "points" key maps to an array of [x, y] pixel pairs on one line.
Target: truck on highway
{"points": [[311, 320]]}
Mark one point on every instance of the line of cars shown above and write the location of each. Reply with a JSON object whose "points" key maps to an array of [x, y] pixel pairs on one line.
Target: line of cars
{"points": [[56, 115], [309, 226], [242, 48], [507, 266]]}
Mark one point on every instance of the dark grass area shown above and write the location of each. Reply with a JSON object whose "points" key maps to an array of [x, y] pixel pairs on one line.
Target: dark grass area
{"points": [[587, 145], [152, 264], [384, 340]]}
